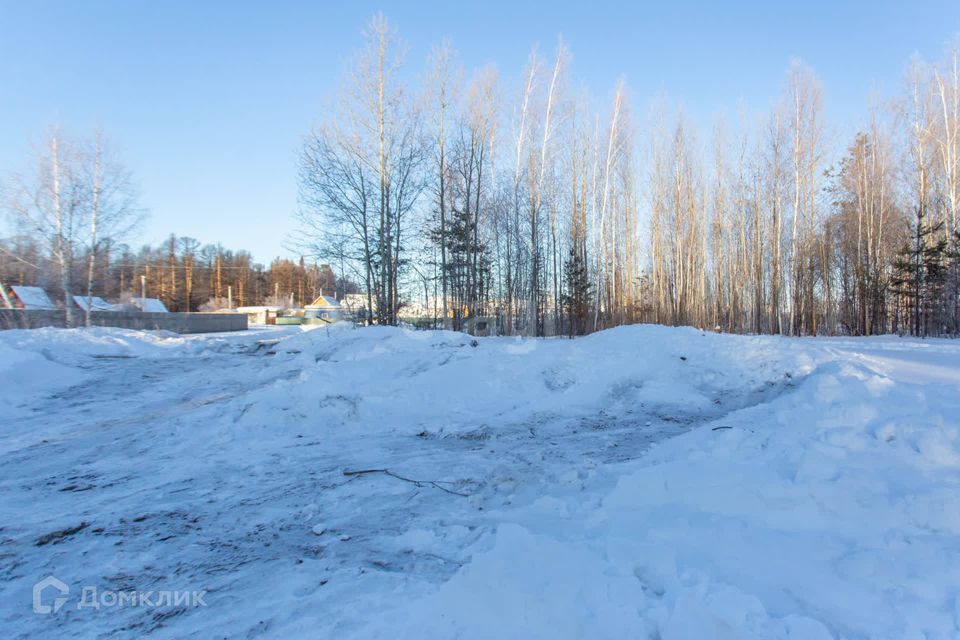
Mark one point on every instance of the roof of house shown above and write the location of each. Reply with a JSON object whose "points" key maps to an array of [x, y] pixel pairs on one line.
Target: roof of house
{"points": [[96, 303], [150, 305], [32, 297], [258, 308], [324, 302]]}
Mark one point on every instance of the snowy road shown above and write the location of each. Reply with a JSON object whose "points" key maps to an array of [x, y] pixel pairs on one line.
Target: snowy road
{"points": [[507, 487]]}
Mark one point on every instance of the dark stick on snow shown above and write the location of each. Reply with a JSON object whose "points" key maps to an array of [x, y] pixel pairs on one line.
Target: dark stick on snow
{"points": [[437, 484]]}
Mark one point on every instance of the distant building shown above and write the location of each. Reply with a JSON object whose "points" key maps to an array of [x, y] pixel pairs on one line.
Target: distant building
{"points": [[264, 314], [323, 309], [31, 298], [96, 304], [324, 302], [149, 305]]}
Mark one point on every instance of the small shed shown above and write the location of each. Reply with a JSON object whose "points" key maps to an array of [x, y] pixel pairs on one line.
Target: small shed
{"points": [[30, 298], [150, 305]]}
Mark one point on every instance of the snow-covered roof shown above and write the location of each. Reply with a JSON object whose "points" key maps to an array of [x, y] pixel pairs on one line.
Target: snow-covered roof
{"points": [[33, 297], [150, 305], [257, 309], [324, 302], [96, 303]]}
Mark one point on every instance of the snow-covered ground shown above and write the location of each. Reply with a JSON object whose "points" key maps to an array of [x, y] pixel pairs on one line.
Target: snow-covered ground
{"points": [[643, 482]]}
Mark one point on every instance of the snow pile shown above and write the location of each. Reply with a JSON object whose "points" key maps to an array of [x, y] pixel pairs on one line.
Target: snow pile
{"points": [[27, 375], [832, 511], [444, 383], [37, 364]]}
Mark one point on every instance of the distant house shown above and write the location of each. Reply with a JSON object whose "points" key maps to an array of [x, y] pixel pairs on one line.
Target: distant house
{"points": [[324, 302], [96, 303], [30, 298], [261, 314], [324, 308], [149, 305]]}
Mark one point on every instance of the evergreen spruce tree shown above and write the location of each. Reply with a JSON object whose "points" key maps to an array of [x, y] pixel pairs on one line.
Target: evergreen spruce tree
{"points": [[467, 269], [919, 273], [577, 296]]}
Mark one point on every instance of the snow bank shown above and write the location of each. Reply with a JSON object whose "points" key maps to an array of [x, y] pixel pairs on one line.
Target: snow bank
{"points": [[73, 346], [832, 511], [37, 364], [444, 383], [23, 373]]}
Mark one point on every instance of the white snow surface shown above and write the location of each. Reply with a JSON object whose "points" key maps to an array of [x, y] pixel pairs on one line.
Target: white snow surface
{"points": [[642, 482]]}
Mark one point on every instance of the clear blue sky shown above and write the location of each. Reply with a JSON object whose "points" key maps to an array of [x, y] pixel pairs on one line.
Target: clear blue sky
{"points": [[208, 100]]}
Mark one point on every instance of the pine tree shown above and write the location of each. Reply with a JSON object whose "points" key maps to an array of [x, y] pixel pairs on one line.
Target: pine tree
{"points": [[464, 286], [919, 273], [578, 292]]}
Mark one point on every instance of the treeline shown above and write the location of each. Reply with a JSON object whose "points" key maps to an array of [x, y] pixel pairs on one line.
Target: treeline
{"points": [[183, 273], [530, 204]]}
